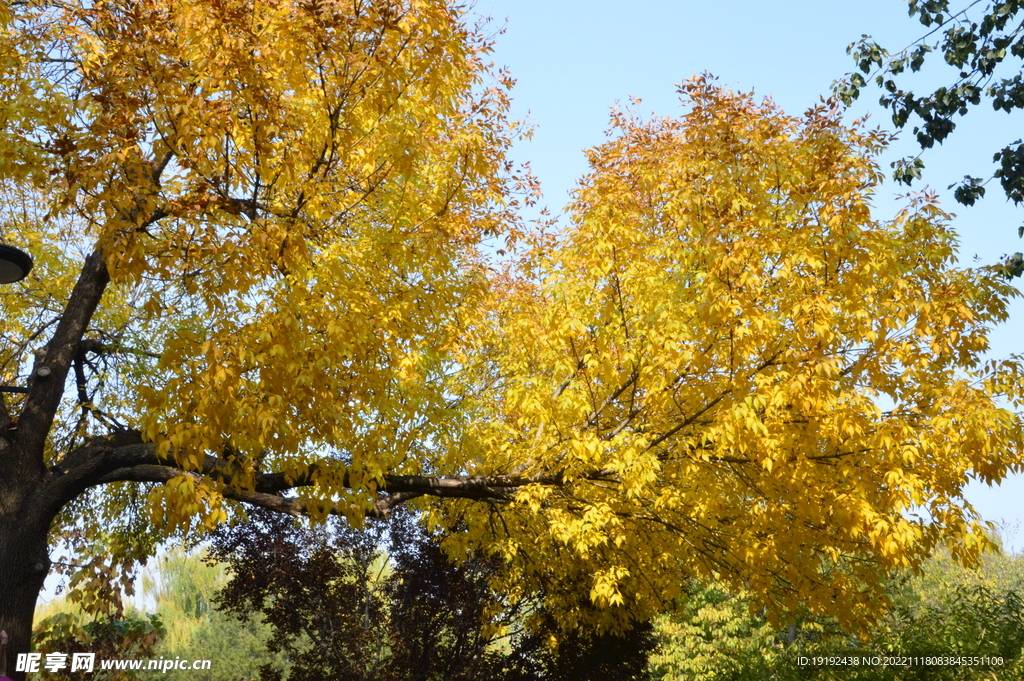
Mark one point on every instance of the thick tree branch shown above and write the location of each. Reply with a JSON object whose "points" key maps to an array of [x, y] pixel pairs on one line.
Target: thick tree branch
{"points": [[125, 457], [46, 384], [272, 502], [88, 465]]}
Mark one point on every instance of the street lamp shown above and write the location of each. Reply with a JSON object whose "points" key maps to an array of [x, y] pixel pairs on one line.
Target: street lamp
{"points": [[14, 264]]}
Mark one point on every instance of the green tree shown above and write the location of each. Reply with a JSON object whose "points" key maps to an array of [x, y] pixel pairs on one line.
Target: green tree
{"points": [[183, 586], [945, 610], [983, 44], [714, 637]]}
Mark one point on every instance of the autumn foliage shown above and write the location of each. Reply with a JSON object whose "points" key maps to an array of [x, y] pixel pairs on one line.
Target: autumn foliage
{"points": [[254, 226], [259, 228], [726, 367]]}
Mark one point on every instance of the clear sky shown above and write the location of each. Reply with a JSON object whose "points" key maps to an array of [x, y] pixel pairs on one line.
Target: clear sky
{"points": [[574, 60]]}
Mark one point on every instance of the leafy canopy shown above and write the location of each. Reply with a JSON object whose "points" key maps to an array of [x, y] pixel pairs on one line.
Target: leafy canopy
{"points": [[280, 203], [726, 367], [723, 367], [946, 611]]}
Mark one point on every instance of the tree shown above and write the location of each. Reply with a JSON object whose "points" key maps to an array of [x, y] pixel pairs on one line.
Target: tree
{"points": [[254, 226], [342, 608], [714, 637], [108, 638], [975, 43], [259, 279], [728, 369], [945, 611], [183, 587]]}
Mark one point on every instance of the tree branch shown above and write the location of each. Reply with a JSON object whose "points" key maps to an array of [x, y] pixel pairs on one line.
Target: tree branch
{"points": [[98, 347], [124, 457], [46, 384]]}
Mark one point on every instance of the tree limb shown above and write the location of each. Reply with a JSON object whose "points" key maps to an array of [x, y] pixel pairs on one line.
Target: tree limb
{"points": [[46, 384]]}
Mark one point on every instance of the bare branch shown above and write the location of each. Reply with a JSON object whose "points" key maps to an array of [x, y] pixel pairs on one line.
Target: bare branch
{"points": [[100, 348]]}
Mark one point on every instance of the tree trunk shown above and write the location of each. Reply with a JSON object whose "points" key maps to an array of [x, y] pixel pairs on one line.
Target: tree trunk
{"points": [[24, 564], [30, 494]]}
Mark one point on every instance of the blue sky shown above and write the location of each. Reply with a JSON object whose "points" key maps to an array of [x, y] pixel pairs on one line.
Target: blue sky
{"points": [[574, 60]]}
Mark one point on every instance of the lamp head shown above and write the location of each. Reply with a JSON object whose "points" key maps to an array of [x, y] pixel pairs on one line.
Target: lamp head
{"points": [[14, 264]]}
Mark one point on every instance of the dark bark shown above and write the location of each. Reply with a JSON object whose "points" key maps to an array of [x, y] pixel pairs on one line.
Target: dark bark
{"points": [[46, 384], [24, 564], [29, 497]]}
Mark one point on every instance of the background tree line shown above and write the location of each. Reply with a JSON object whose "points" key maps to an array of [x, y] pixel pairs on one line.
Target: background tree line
{"points": [[273, 600]]}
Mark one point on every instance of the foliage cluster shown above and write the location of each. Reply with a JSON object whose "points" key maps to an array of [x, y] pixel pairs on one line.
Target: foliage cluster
{"points": [[945, 610], [256, 228], [726, 366], [183, 588], [108, 637], [330, 603], [341, 609], [983, 43], [179, 589], [715, 635]]}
